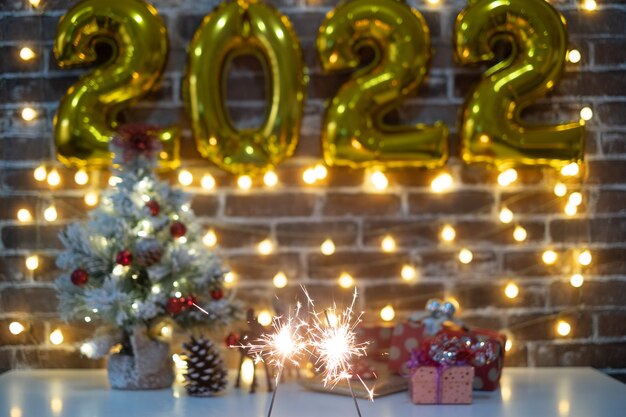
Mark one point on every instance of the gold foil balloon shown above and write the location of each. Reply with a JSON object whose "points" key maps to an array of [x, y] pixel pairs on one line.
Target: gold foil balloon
{"points": [[354, 133], [492, 129], [87, 115], [245, 28]]}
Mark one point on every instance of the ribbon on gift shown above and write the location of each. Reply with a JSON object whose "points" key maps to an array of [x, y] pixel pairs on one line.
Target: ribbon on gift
{"points": [[437, 313], [447, 349]]}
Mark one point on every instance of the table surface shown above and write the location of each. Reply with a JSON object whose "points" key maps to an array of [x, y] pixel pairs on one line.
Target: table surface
{"points": [[549, 392]]}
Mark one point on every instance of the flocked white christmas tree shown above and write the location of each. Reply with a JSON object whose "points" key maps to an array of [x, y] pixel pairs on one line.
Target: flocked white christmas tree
{"points": [[139, 257]]}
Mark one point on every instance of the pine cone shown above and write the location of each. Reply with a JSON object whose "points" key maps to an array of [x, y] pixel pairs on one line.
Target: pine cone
{"points": [[148, 252], [206, 373]]}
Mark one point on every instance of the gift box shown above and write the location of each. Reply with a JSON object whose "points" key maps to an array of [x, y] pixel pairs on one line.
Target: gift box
{"points": [[441, 385], [378, 339], [406, 337], [487, 376]]}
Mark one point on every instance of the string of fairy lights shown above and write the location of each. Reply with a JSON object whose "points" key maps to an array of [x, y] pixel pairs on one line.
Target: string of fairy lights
{"points": [[376, 180]]}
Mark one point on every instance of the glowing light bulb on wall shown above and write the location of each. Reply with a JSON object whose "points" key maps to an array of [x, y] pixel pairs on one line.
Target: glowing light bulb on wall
{"points": [[54, 179], [574, 56], [185, 177], [24, 215], [270, 179], [408, 273], [207, 182], [466, 256], [91, 198], [387, 313], [244, 182], [280, 280], [511, 290], [265, 247], [448, 234], [26, 54], [346, 280], [15, 327], [570, 170], [507, 177], [563, 328], [443, 182], [388, 244], [32, 262], [506, 215], [210, 238], [56, 337], [327, 247], [229, 279], [577, 280], [586, 114], [378, 180], [520, 234], [560, 189], [40, 173], [321, 172], [309, 176], [589, 5], [508, 345], [585, 258], [29, 114], [264, 318], [81, 177], [549, 257], [50, 213]]}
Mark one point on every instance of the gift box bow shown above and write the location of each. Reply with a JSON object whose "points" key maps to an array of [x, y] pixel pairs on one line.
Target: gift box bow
{"points": [[449, 349]]}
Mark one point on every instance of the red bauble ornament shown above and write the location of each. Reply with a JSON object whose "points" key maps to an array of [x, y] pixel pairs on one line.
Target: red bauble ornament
{"points": [[178, 229], [217, 294], [124, 257], [190, 301], [232, 340], [175, 305], [79, 277], [154, 208]]}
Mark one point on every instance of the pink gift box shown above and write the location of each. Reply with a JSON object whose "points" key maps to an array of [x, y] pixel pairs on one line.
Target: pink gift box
{"points": [[439, 385]]}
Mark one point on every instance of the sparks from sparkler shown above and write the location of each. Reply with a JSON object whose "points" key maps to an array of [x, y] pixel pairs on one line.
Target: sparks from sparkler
{"points": [[333, 339]]}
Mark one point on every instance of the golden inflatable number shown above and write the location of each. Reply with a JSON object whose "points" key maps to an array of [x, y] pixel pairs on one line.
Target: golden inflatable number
{"points": [[87, 116], [492, 128], [354, 133], [245, 27]]}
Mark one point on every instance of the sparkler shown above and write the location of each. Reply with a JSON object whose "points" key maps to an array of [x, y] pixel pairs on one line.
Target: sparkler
{"points": [[334, 340]]}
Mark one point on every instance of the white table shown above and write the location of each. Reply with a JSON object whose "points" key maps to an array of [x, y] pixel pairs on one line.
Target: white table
{"points": [[549, 392]]}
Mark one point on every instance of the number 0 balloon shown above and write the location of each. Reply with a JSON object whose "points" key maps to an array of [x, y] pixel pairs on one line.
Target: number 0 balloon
{"points": [[492, 130], [245, 27], [87, 115]]}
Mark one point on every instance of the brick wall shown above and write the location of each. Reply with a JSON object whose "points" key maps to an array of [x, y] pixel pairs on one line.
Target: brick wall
{"points": [[299, 217]]}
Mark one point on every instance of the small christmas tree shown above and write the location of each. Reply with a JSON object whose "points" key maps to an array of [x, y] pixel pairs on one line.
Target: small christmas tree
{"points": [[206, 373], [139, 258]]}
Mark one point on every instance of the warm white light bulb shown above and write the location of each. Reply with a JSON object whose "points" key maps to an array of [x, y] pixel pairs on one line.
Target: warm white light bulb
{"points": [[24, 215], [570, 209], [586, 114], [91, 198], [56, 337], [520, 234], [465, 256], [54, 179], [207, 182], [589, 5], [270, 179], [577, 280], [280, 280], [40, 173], [433, 2], [563, 328], [210, 238], [443, 182], [379, 180], [114, 181], [264, 318], [32, 262], [229, 279], [29, 114], [81, 177], [15, 327], [574, 56], [585, 258], [549, 257], [560, 189], [327, 247], [50, 213], [34, 3], [508, 345], [570, 170], [265, 247], [244, 182], [26, 54], [506, 215], [387, 313], [408, 273], [448, 234], [346, 280], [185, 177], [507, 177], [388, 244], [511, 290], [575, 199], [309, 176], [321, 172]]}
